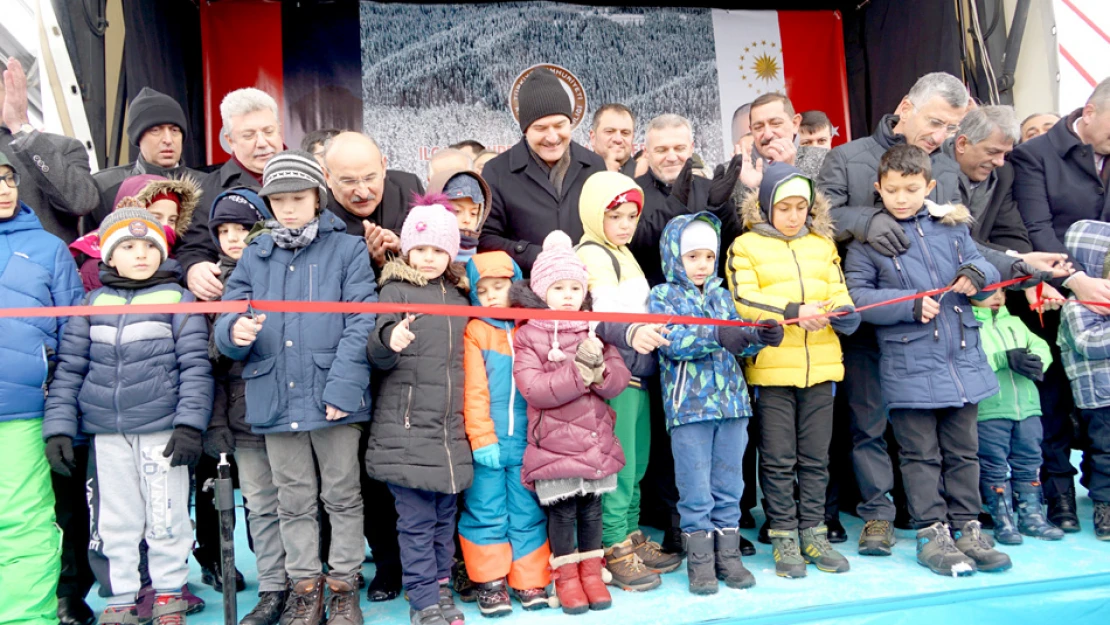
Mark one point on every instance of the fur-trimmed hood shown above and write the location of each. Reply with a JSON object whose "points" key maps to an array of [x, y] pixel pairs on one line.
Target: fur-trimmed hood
{"points": [[946, 214], [397, 270], [752, 211], [185, 187]]}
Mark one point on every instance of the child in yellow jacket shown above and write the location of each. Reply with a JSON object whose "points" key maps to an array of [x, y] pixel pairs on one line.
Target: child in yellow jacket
{"points": [[787, 267]]}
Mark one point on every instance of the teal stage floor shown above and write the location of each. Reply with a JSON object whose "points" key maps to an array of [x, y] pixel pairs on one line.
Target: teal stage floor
{"points": [[1066, 582]]}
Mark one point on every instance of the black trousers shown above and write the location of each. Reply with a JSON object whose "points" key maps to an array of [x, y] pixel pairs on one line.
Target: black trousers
{"points": [[658, 492], [379, 525], [795, 430], [940, 463], [575, 518], [71, 507]]}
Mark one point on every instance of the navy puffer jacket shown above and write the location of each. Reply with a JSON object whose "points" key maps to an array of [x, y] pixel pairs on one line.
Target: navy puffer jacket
{"points": [[132, 373]]}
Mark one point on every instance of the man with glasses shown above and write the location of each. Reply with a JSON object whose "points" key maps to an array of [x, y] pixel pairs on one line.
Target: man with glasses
{"points": [[253, 133], [370, 199], [56, 181]]}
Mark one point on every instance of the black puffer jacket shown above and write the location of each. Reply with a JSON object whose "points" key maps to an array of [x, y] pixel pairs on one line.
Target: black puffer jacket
{"points": [[417, 438]]}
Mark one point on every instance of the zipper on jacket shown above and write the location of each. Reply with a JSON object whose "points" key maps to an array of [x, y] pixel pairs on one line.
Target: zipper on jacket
{"points": [[512, 382], [959, 312], [447, 410], [119, 365], [408, 409], [310, 280], [1005, 347], [680, 382], [901, 274], [934, 273], [538, 430], [959, 254], [802, 285], [1013, 380]]}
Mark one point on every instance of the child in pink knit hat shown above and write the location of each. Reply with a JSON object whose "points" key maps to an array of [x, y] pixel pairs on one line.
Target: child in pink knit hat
{"points": [[566, 374], [418, 444]]}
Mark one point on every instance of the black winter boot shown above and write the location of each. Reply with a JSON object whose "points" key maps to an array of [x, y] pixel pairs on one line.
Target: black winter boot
{"points": [[997, 500], [730, 567], [1061, 511], [699, 562]]}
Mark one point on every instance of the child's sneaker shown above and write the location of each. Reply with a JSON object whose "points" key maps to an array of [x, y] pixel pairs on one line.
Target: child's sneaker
{"points": [[788, 558], [998, 502], [1102, 520], [877, 538], [451, 612], [652, 554], [144, 604], [428, 616], [628, 571], [970, 540], [169, 610], [532, 598], [493, 599], [817, 550], [937, 551], [119, 615], [196, 604], [1031, 519]]}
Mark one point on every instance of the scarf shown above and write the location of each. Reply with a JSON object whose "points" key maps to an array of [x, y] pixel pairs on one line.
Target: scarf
{"points": [[556, 174], [110, 277], [293, 238]]}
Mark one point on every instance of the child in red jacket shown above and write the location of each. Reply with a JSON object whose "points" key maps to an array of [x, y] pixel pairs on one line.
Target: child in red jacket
{"points": [[573, 456]]}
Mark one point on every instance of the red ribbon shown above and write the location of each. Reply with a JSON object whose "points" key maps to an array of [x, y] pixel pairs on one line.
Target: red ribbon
{"points": [[444, 310]]}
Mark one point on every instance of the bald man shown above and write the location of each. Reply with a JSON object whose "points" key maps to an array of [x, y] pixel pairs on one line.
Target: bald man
{"points": [[372, 201]]}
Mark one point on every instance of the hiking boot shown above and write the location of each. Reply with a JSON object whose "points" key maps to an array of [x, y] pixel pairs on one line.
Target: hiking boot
{"points": [[652, 554], [788, 558], [970, 540], [937, 551], [304, 605], [729, 565], [1102, 520], [169, 610], [493, 599], [1031, 519], [428, 616], [628, 571], [700, 563], [589, 575], [816, 550], [268, 609], [1061, 511], [451, 612], [877, 538], [568, 588], [836, 533], [532, 598], [467, 590], [997, 500], [343, 608], [119, 615]]}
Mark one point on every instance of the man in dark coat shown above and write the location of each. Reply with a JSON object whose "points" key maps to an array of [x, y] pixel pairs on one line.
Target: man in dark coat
{"points": [[156, 126], [56, 180], [1060, 178], [252, 131], [371, 200], [611, 136], [536, 183]]}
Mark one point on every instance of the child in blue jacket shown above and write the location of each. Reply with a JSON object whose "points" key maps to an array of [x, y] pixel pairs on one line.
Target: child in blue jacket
{"points": [[706, 400], [307, 378], [933, 372], [141, 385], [36, 271]]}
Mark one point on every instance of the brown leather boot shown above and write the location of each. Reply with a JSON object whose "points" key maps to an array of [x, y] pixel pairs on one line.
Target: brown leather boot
{"points": [[305, 603]]}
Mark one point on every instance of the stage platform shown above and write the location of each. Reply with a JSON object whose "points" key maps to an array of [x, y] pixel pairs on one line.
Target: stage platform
{"points": [[1065, 582]]}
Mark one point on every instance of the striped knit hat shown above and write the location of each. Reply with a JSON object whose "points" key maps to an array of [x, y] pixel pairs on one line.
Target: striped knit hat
{"points": [[127, 224], [294, 170]]}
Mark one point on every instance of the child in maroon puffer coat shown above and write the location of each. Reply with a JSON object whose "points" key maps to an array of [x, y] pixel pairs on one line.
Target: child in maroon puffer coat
{"points": [[566, 374]]}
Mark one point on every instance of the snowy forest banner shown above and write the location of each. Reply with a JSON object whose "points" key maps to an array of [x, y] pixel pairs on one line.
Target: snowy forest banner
{"points": [[433, 75]]}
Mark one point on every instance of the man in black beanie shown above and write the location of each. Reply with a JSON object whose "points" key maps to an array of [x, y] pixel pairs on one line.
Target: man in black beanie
{"points": [[535, 184], [156, 125]]}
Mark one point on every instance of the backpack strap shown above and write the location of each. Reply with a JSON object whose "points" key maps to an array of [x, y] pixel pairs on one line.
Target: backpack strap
{"points": [[612, 256]]}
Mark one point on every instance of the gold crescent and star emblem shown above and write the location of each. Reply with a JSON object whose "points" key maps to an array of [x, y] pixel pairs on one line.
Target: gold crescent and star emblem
{"points": [[760, 64]]}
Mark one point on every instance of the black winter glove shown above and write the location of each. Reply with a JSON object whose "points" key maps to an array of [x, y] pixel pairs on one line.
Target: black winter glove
{"points": [[59, 453], [1022, 268], [971, 272], [1022, 361], [771, 336], [885, 234], [847, 323], [185, 446], [720, 189], [219, 440], [733, 338], [684, 183]]}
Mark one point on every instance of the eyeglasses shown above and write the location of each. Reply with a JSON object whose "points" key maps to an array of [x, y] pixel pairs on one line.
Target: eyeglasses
{"points": [[354, 183], [936, 124], [268, 132], [11, 180]]}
